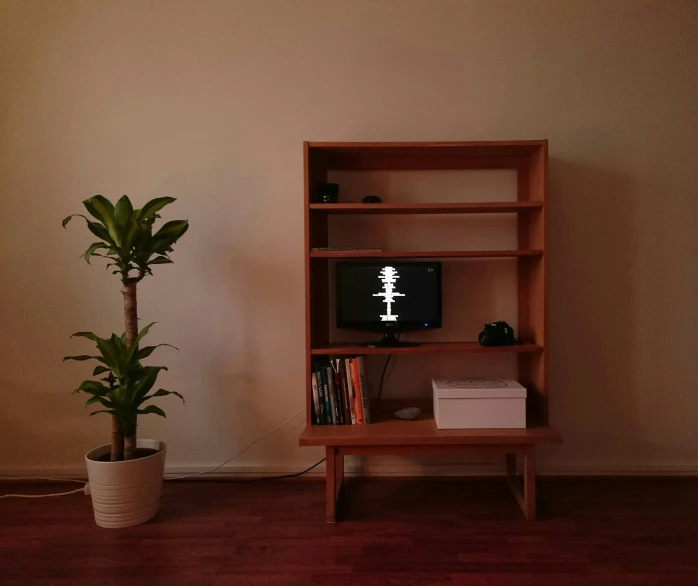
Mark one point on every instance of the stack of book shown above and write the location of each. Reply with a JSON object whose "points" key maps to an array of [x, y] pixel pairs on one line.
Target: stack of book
{"points": [[340, 393]]}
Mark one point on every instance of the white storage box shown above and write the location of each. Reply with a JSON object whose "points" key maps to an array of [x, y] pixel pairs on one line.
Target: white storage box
{"points": [[476, 403]]}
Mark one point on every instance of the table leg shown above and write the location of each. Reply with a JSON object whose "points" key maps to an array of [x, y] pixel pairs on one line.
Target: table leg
{"points": [[330, 483], [339, 474], [529, 481]]}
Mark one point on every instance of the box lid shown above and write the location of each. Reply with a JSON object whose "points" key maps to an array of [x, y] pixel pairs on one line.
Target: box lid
{"points": [[477, 388]]}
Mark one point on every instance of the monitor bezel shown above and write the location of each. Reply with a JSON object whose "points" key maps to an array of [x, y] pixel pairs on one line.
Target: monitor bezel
{"points": [[386, 327]]}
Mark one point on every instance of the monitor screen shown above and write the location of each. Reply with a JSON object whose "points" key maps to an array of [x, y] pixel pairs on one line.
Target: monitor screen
{"points": [[389, 296]]}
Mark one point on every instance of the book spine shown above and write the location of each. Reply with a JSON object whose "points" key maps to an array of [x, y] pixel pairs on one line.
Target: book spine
{"points": [[322, 392], [357, 390], [315, 398], [339, 392], [346, 371], [345, 393], [363, 385], [329, 377]]}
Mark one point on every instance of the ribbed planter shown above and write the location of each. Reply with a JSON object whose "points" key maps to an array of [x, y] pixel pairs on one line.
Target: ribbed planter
{"points": [[126, 493]]}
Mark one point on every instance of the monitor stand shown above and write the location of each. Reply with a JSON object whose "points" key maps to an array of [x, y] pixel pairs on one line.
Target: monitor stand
{"points": [[390, 341]]}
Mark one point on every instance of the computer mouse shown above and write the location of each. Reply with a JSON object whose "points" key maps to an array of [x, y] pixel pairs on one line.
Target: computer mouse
{"points": [[408, 413]]}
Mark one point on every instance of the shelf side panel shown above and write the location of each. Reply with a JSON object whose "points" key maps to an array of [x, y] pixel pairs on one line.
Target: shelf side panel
{"points": [[316, 270], [533, 293]]}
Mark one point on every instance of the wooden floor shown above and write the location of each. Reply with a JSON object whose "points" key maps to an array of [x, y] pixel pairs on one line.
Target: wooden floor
{"points": [[461, 532]]}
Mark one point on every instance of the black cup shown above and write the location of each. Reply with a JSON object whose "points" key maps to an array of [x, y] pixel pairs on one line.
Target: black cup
{"points": [[328, 193]]}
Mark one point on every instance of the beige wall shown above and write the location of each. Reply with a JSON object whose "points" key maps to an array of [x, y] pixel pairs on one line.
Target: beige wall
{"points": [[210, 101]]}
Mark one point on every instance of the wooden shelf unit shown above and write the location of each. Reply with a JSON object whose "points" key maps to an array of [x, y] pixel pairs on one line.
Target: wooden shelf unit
{"points": [[388, 432], [425, 348], [388, 436], [425, 253], [507, 207]]}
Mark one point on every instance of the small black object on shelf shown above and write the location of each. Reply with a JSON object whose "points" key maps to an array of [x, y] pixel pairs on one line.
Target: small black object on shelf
{"points": [[498, 333], [390, 340], [327, 193], [372, 199]]}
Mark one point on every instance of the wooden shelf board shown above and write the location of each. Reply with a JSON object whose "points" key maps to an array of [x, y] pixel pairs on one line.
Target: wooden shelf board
{"points": [[511, 148], [428, 348], [427, 254], [388, 431], [428, 208]]}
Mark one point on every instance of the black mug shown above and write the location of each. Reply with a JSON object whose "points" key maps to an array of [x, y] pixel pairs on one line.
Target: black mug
{"points": [[328, 193]]}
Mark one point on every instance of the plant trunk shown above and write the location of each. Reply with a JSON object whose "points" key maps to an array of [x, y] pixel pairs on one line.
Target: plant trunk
{"points": [[130, 446], [130, 311], [117, 440], [131, 329]]}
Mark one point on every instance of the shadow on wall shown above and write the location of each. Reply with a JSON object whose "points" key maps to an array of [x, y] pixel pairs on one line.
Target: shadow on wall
{"points": [[593, 248], [267, 294]]}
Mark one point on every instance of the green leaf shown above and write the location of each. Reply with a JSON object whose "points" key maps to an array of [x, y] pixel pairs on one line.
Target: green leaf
{"points": [[100, 370], [123, 210], [110, 411], [160, 260], [162, 393], [100, 400], [100, 231], [65, 221], [119, 343], [88, 335], [150, 209], [112, 357], [171, 231], [102, 209], [152, 409], [148, 350], [145, 382], [93, 387], [133, 349], [82, 357], [99, 207], [134, 230], [94, 246]]}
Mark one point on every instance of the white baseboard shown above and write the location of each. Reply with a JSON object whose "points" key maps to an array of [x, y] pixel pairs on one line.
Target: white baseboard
{"points": [[354, 467]]}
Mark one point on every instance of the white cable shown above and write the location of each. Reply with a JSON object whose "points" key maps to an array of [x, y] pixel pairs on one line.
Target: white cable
{"points": [[41, 478], [35, 496], [239, 454], [40, 496]]}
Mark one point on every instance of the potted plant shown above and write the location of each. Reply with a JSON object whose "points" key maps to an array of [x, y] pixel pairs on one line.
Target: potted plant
{"points": [[126, 476]]}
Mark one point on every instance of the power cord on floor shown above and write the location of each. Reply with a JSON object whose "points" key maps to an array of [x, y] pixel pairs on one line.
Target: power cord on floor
{"points": [[294, 475], [39, 496], [240, 453], [85, 488]]}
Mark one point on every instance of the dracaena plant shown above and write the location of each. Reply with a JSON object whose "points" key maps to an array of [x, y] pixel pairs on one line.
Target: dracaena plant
{"points": [[124, 384], [130, 244]]}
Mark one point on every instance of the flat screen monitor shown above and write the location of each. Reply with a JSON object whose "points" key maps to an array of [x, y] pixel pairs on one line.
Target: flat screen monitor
{"points": [[389, 297]]}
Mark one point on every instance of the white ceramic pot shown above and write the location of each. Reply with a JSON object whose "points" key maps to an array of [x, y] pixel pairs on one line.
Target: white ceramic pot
{"points": [[126, 493]]}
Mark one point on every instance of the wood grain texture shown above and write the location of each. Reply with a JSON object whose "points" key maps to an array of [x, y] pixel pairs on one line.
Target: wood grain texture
{"points": [[529, 481], [391, 432], [428, 208], [427, 254], [417, 161], [427, 348], [535, 373], [454, 532], [386, 435], [316, 271], [330, 483], [467, 149]]}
